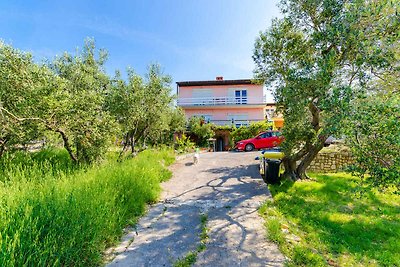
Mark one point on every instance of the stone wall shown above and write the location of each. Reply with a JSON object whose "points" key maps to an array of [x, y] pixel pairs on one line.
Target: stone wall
{"points": [[330, 161]]}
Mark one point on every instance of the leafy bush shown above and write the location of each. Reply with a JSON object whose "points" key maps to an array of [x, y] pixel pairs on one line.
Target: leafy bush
{"points": [[373, 136], [60, 216], [184, 144], [246, 132], [203, 131], [223, 127]]}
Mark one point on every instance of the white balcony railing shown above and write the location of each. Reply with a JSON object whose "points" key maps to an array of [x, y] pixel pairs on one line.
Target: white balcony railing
{"points": [[214, 101], [232, 122]]}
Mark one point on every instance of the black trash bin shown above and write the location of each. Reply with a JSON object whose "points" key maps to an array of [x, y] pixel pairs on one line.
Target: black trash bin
{"points": [[272, 167]]}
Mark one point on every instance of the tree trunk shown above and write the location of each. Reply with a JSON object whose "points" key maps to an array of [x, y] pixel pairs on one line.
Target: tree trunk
{"points": [[290, 168], [67, 146], [126, 142], [132, 145], [3, 146], [295, 172], [310, 150], [306, 161]]}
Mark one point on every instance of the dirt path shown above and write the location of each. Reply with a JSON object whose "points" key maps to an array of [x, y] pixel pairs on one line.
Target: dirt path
{"points": [[225, 186]]}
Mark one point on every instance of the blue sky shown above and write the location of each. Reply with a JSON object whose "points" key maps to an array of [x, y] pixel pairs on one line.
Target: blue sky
{"points": [[192, 40]]}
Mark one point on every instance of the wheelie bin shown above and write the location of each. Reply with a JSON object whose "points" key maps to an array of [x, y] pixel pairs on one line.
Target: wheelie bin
{"points": [[272, 165]]}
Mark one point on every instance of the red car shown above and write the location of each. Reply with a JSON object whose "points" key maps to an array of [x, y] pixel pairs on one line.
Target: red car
{"points": [[263, 140]]}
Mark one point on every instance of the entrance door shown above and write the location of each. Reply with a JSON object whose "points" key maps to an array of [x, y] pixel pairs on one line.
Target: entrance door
{"points": [[220, 144]]}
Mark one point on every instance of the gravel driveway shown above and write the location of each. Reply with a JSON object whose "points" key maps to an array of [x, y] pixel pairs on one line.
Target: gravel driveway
{"points": [[227, 188]]}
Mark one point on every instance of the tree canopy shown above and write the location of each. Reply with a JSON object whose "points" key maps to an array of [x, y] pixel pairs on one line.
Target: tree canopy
{"points": [[321, 57], [143, 107], [74, 99]]}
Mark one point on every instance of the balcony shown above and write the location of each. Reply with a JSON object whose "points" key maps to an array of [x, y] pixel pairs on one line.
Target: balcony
{"points": [[237, 123], [220, 101]]}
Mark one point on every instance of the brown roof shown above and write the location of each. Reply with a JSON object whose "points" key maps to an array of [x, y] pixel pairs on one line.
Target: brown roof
{"points": [[216, 82]]}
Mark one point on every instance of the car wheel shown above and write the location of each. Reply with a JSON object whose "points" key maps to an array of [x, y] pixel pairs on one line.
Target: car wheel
{"points": [[249, 147]]}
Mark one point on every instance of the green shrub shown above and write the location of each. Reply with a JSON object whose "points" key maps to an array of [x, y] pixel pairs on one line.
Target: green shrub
{"points": [[67, 218], [373, 134], [201, 129], [246, 132], [184, 144]]}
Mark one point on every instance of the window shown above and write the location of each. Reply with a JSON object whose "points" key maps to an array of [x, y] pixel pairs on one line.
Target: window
{"points": [[266, 135], [276, 134], [239, 119], [241, 96], [262, 135]]}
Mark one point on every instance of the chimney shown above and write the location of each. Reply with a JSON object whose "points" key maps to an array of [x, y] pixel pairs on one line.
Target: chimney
{"points": [[219, 78]]}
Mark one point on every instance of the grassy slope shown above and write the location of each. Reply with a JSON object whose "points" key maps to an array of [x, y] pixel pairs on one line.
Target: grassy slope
{"points": [[54, 213], [327, 221]]}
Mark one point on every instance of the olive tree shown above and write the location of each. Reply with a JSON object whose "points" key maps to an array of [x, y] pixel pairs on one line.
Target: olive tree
{"points": [[320, 57], [78, 112], [24, 97], [143, 106], [373, 129]]}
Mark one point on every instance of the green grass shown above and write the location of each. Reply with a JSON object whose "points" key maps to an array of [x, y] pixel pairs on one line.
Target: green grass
{"points": [[330, 221], [187, 261], [54, 213]]}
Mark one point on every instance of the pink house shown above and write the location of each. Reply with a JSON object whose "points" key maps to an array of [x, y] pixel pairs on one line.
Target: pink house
{"points": [[223, 102]]}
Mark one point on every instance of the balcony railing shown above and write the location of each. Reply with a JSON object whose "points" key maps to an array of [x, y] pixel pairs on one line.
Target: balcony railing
{"points": [[215, 101], [232, 122]]}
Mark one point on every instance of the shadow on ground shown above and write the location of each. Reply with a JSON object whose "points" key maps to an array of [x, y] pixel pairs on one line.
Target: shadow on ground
{"points": [[230, 196]]}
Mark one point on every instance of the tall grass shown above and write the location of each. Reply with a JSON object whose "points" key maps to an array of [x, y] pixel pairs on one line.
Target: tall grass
{"points": [[54, 213]]}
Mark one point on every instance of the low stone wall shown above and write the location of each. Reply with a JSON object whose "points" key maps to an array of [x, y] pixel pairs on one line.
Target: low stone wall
{"points": [[330, 161]]}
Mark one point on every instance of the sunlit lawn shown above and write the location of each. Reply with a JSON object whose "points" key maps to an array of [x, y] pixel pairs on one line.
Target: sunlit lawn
{"points": [[327, 221]]}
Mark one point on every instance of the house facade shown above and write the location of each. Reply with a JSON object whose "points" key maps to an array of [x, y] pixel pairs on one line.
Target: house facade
{"points": [[223, 102]]}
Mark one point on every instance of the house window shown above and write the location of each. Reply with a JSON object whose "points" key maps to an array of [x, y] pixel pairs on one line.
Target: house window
{"points": [[207, 118], [239, 119], [241, 96]]}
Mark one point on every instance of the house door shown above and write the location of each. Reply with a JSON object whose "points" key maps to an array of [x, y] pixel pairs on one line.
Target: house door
{"points": [[220, 144]]}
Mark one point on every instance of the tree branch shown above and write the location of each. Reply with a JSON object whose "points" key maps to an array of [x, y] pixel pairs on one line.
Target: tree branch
{"points": [[18, 118], [315, 115]]}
